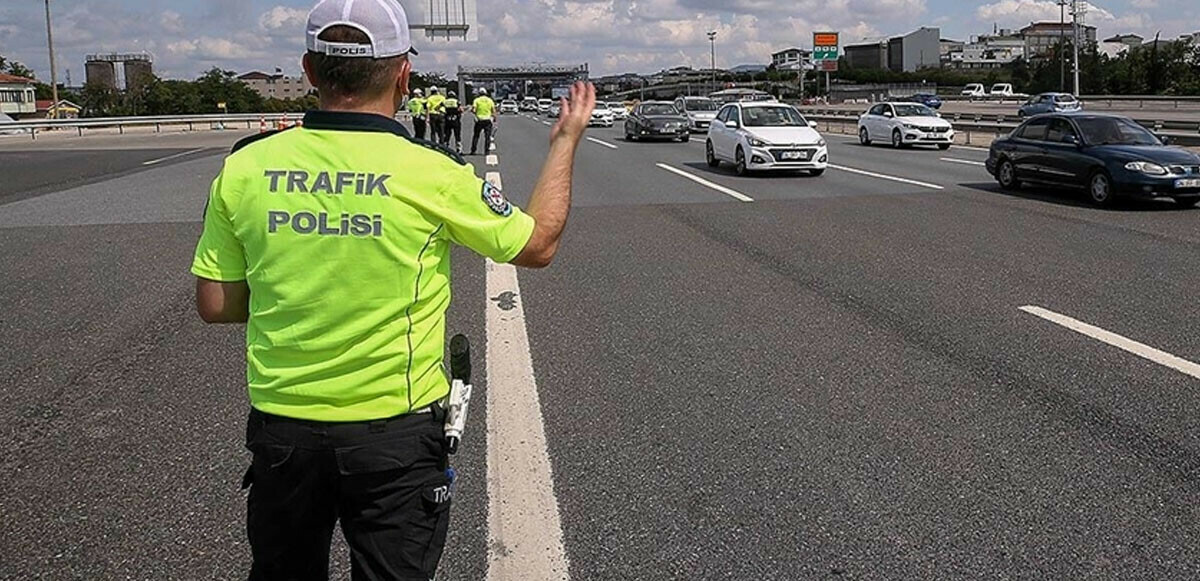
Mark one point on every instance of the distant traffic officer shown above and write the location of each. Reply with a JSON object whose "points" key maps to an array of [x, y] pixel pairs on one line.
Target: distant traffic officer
{"points": [[484, 109], [436, 106], [331, 242], [453, 122], [416, 108]]}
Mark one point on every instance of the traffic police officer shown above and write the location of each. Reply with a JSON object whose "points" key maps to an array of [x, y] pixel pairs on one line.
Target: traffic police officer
{"points": [[453, 122], [436, 106], [331, 242], [416, 108], [484, 109]]}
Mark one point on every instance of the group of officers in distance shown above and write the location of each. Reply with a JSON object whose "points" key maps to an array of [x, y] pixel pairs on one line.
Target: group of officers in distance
{"points": [[442, 114]]}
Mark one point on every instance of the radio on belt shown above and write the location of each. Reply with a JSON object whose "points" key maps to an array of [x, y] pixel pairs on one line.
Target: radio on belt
{"points": [[460, 390]]}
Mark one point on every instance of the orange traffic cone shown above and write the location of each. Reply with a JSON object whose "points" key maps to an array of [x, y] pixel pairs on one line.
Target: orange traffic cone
{"points": [[262, 124]]}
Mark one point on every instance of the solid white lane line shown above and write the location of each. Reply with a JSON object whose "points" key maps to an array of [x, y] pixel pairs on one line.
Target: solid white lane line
{"points": [[720, 188], [963, 161], [492, 159], [524, 527], [169, 157], [886, 177], [1140, 349], [604, 143]]}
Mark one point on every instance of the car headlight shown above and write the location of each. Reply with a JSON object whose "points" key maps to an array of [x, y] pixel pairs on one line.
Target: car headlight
{"points": [[756, 142], [821, 142], [1146, 167], [910, 126]]}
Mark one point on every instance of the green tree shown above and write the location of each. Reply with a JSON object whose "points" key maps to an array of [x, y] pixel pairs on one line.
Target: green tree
{"points": [[20, 70]]}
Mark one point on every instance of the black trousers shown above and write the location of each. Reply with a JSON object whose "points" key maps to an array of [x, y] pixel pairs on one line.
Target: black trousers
{"points": [[453, 130], [419, 127], [437, 126], [484, 127], [387, 481]]}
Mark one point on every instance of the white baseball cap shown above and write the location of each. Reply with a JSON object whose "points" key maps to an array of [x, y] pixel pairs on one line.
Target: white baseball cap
{"points": [[383, 21]]}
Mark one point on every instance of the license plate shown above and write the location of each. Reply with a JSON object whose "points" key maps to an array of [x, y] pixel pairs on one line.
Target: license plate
{"points": [[1182, 184], [795, 155]]}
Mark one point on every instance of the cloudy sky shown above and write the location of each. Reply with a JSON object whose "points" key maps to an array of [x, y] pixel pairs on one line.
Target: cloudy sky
{"points": [[613, 36]]}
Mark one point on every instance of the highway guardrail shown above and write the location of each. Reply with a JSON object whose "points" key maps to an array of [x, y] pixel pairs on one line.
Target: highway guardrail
{"points": [[158, 122], [1179, 132]]}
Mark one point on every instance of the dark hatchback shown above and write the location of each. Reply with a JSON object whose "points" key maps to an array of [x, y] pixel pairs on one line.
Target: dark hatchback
{"points": [[656, 120], [1107, 155]]}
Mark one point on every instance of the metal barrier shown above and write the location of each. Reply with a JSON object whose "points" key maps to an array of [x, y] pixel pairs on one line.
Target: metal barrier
{"points": [[1180, 132], [158, 122], [971, 125]]}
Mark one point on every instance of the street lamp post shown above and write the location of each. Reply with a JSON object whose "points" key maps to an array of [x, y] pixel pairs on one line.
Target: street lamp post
{"points": [[712, 42], [53, 67]]}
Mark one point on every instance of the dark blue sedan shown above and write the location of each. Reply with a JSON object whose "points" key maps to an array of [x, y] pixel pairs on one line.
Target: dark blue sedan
{"points": [[927, 99], [1107, 155]]}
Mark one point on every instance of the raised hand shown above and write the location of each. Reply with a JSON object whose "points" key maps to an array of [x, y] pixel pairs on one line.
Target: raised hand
{"points": [[575, 113]]}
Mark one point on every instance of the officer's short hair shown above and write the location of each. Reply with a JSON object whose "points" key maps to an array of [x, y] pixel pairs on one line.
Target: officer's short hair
{"points": [[351, 76]]}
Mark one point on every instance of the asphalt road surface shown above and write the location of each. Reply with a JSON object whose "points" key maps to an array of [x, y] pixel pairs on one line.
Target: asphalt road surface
{"points": [[891, 371]]}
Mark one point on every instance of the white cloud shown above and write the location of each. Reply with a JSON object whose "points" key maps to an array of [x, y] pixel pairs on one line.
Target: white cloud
{"points": [[1144, 3]]}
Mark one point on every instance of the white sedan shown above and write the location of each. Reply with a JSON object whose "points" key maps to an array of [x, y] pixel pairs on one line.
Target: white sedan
{"points": [[904, 124], [765, 136], [601, 115], [618, 110]]}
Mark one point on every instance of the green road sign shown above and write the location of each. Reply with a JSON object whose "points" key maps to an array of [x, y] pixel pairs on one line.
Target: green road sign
{"points": [[825, 46]]}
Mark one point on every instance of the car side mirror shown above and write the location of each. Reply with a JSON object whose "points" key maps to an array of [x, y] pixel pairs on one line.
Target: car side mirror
{"points": [[731, 124], [1165, 140], [1072, 140], [812, 124], [887, 113]]}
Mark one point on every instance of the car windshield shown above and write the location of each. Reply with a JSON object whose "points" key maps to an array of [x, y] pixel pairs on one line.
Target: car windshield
{"points": [[1114, 131], [772, 117], [601, 105], [700, 105], [1065, 98], [914, 111], [657, 109]]}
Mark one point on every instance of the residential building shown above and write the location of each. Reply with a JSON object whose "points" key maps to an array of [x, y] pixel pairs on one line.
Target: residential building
{"points": [[277, 85], [791, 59], [1042, 38], [989, 51], [65, 109], [17, 96], [947, 47]]}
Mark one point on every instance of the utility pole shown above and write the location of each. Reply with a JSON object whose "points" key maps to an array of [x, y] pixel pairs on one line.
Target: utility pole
{"points": [[712, 42], [1062, 58], [53, 66], [1075, 14]]}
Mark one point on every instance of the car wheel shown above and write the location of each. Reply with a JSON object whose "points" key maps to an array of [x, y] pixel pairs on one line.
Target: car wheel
{"points": [[1187, 202], [943, 146], [1100, 189], [864, 137], [685, 138], [629, 135], [1006, 174], [897, 139], [816, 172], [710, 156], [739, 162]]}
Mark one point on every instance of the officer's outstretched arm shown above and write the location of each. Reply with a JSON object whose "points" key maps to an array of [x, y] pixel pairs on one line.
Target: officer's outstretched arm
{"points": [[222, 302], [551, 199]]}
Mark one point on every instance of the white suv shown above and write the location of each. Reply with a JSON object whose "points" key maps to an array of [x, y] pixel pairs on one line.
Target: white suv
{"points": [[765, 136]]}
